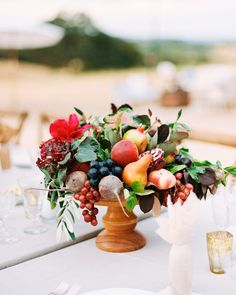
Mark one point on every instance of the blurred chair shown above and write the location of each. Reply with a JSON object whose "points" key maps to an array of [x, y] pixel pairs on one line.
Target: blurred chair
{"points": [[45, 120], [10, 133]]}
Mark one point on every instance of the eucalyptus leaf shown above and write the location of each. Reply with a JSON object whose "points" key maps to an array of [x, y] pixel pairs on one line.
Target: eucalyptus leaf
{"points": [[178, 135], [152, 142], [168, 147], [85, 155]]}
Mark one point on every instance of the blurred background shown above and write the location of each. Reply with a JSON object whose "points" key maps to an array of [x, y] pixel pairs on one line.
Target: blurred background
{"points": [[157, 54]]}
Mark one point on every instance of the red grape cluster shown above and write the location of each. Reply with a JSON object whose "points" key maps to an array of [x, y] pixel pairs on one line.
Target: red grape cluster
{"points": [[182, 191], [87, 197]]}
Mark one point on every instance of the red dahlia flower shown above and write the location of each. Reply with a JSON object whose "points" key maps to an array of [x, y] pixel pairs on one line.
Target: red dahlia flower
{"points": [[62, 129]]}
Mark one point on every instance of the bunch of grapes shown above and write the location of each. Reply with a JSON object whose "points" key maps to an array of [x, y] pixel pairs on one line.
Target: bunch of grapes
{"points": [[87, 197], [182, 160], [182, 191], [100, 169]]}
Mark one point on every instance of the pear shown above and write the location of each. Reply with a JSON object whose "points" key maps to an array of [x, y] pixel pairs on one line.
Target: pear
{"points": [[137, 171]]}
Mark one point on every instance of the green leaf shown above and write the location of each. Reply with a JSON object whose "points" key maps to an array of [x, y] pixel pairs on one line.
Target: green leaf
{"points": [[72, 216], [75, 144], [125, 108], [90, 143], [146, 192], [85, 155], [179, 115], [144, 120], [194, 175], [53, 199], [178, 135], [131, 202], [66, 159], [152, 142], [46, 173], [112, 136], [72, 235], [231, 170], [61, 175], [177, 168], [79, 111], [203, 163], [168, 147], [137, 187], [184, 126]]}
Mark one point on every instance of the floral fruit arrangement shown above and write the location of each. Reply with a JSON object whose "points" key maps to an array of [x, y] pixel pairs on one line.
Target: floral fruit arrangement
{"points": [[135, 159]]}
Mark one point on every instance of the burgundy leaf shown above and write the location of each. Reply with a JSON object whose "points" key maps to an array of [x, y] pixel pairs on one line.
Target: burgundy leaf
{"points": [[146, 203], [113, 108], [149, 112], [208, 178], [163, 132]]}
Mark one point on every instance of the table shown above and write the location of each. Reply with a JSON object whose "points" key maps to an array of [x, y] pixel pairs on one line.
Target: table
{"points": [[93, 269], [32, 246]]}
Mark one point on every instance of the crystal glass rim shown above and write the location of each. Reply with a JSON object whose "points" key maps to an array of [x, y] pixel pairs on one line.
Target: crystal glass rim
{"points": [[219, 235]]}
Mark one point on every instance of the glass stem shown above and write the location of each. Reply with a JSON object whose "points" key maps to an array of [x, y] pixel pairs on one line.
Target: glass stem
{"points": [[36, 222]]}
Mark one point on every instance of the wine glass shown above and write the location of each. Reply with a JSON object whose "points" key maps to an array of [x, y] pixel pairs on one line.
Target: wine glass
{"points": [[7, 205], [33, 201]]}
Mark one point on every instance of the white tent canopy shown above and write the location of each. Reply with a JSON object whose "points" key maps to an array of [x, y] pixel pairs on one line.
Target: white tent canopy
{"points": [[24, 35]]}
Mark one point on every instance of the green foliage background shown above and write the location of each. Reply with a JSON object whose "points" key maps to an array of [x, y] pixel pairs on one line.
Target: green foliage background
{"points": [[84, 47]]}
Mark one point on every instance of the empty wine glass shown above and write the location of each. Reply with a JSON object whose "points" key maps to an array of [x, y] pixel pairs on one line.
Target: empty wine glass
{"points": [[33, 200], [7, 205], [220, 209]]}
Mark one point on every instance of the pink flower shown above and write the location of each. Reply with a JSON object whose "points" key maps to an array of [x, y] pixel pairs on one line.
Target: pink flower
{"points": [[62, 129]]}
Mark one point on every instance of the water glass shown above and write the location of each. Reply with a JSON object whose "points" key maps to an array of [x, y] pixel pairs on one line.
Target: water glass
{"points": [[7, 205], [219, 246], [221, 209], [33, 201]]}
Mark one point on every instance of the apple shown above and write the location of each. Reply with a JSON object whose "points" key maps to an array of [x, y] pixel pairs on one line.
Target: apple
{"points": [[162, 179], [138, 138], [124, 152]]}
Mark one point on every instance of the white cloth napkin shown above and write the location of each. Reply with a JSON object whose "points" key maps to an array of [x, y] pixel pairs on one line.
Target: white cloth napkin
{"points": [[177, 230]]}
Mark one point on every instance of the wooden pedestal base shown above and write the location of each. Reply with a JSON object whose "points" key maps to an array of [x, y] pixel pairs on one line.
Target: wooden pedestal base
{"points": [[119, 234]]}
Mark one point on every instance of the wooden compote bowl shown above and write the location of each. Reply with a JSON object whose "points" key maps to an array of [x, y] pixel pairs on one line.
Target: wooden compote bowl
{"points": [[119, 234]]}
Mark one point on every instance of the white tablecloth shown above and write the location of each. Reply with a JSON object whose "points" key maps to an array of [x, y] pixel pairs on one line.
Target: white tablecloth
{"points": [[94, 269]]}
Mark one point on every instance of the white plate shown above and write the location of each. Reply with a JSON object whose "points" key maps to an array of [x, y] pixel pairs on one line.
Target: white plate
{"points": [[120, 291]]}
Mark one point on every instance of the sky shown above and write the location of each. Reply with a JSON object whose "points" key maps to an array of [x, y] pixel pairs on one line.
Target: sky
{"points": [[197, 20]]}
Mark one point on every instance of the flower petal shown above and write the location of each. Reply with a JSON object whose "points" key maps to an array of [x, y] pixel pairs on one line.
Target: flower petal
{"points": [[59, 129], [73, 122]]}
